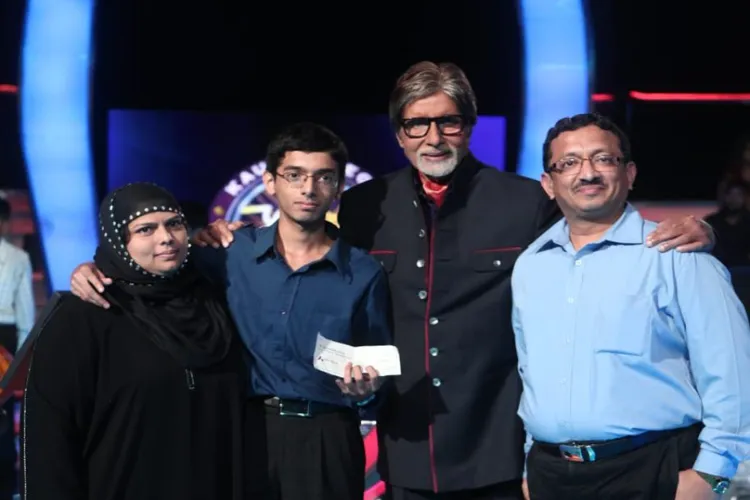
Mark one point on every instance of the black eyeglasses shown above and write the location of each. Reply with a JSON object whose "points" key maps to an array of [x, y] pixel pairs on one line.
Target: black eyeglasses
{"points": [[297, 179], [571, 165], [417, 128]]}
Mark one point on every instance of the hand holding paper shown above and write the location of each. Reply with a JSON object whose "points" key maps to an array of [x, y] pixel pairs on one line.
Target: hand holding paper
{"points": [[332, 357]]}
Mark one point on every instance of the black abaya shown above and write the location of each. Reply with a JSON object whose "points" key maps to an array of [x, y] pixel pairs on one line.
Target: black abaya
{"points": [[108, 415]]}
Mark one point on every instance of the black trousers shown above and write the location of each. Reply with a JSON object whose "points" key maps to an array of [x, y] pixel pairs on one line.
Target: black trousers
{"points": [[647, 473], [510, 490], [8, 454], [296, 458]]}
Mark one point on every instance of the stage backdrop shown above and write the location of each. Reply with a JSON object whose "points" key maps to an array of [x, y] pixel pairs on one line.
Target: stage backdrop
{"points": [[216, 159]]}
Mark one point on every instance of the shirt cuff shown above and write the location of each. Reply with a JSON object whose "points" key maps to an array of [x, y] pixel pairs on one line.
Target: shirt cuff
{"points": [[714, 464]]}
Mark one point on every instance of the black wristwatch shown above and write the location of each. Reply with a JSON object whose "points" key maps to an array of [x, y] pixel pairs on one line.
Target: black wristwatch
{"points": [[718, 484]]}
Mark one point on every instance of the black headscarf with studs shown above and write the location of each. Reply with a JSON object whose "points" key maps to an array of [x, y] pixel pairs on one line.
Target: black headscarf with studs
{"points": [[180, 312]]}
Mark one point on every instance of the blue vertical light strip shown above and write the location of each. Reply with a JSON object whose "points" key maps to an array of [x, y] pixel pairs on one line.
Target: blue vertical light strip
{"points": [[55, 132], [556, 72]]}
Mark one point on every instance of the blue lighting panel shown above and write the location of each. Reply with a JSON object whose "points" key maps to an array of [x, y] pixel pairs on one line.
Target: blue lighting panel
{"points": [[556, 72], [55, 131]]}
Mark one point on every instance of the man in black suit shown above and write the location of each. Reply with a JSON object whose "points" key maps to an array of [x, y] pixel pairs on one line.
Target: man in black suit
{"points": [[448, 230]]}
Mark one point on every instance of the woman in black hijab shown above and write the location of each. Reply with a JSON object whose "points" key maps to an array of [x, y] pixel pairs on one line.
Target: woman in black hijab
{"points": [[142, 400]]}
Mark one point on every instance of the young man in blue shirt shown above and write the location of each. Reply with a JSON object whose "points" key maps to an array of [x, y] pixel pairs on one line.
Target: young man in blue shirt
{"points": [[286, 284], [635, 363]]}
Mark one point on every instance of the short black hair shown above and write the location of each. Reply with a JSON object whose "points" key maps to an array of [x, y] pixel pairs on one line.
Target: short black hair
{"points": [[4, 210], [582, 120], [309, 138]]}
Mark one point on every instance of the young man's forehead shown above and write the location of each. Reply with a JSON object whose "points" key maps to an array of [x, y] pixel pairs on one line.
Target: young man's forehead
{"points": [[308, 161]]}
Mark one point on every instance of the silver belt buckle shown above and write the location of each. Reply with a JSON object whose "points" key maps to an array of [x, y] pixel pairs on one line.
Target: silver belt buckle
{"points": [[290, 413], [575, 453]]}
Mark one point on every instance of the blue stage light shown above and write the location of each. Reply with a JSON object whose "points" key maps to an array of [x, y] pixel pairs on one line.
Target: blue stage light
{"points": [[556, 72], [55, 100]]}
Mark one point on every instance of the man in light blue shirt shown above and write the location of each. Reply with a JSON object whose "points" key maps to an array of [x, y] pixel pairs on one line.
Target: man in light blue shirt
{"points": [[635, 364]]}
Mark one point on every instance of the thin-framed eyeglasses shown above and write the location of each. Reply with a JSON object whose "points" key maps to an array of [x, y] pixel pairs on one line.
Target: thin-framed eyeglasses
{"points": [[571, 165], [416, 128], [298, 179]]}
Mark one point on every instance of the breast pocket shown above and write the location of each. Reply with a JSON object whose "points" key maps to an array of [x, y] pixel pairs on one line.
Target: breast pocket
{"points": [[623, 324]]}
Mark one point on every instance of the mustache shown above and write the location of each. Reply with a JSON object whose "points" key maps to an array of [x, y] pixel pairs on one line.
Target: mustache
{"points": [[440, 148], [596, 181]]}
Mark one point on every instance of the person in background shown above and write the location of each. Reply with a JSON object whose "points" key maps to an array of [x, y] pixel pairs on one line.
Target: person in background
{"points": [[447, 231], [143, 400], [732, 225], [635, 364], [738, 168], [17, 313]]}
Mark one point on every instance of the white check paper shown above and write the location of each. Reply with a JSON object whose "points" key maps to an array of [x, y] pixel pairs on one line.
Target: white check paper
{"points": [[331, 357]]}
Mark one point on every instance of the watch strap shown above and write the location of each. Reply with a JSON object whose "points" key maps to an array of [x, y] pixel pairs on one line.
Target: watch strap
{"points": [[718, 484]]}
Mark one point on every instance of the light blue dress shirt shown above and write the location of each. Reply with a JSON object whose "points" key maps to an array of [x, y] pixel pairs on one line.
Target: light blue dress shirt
{"points": [[617, 339]]}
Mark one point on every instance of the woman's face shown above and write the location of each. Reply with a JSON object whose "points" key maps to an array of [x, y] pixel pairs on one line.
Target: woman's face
{"points": [[158, 242]]}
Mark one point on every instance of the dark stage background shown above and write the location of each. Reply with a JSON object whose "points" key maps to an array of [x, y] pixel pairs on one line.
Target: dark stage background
{"points": [[302, 60]]}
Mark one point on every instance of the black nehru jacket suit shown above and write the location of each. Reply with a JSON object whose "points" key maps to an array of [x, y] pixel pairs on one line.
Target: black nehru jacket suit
{"points": [[450, 422]]}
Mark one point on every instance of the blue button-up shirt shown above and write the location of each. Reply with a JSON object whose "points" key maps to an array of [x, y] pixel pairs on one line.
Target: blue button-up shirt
{"points": [[616, 339], [280, 312]]}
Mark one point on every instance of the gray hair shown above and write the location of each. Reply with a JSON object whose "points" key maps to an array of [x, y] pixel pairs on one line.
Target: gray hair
{"points": [[426, 78]]}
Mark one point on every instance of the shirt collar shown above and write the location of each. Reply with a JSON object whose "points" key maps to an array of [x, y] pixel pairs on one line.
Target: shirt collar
{"points": [[628, 230], [338, 255]]}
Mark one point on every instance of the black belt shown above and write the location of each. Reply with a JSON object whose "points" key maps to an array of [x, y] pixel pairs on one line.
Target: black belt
{"points": [[302, 407], [599, 450]]}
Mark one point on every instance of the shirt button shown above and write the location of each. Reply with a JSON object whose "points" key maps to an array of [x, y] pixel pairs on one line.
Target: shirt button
{"points": [[422, 294], [571, 300], [434, 351], [578, 262], [414, 202], [497, 263], [564, 381], [434, 321], [436, 382], [422, 233], [420, 263], [283, 313]]}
